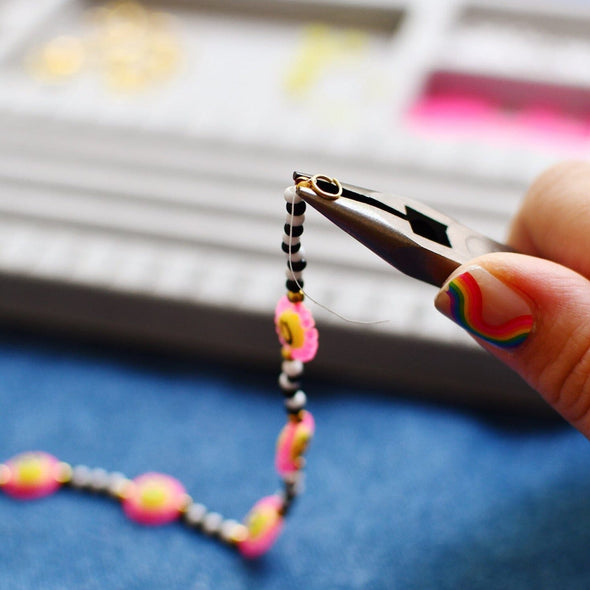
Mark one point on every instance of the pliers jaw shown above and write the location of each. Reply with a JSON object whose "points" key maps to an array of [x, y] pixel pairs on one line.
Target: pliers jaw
{"points": [[414, 238]]}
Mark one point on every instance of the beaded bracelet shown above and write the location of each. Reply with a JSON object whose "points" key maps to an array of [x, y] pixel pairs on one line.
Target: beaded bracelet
{"points": [[156, 498]]}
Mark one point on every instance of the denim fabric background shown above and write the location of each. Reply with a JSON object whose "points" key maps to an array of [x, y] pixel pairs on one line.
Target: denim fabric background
{"points": [[400, 495]]}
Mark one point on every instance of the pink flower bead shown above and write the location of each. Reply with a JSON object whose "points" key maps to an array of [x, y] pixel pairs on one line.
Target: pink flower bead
{"points": [[264, 523], [32, 475], [154, 499], [292, 443], [295, 327]]}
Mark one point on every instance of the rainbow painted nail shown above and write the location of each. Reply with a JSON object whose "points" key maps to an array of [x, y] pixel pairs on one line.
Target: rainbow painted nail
{"points": [[486, 307]]}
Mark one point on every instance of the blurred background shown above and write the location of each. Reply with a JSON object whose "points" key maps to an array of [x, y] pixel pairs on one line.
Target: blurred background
{"points": [[144, 148]]}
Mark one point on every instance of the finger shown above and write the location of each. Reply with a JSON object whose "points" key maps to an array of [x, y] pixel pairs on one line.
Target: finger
{"points": [[534, 315], [554, 219]]}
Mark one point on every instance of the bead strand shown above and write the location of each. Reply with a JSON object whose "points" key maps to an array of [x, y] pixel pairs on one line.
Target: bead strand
{"points": [[150, 499], [297, 333], [291, 245], [156, 498]]}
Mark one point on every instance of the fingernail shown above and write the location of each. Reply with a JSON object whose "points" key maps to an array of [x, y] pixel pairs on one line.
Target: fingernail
{"points": [[486, 307]]}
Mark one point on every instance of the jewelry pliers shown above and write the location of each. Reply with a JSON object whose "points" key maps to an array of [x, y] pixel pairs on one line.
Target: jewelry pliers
{"points": [[414, 238]]}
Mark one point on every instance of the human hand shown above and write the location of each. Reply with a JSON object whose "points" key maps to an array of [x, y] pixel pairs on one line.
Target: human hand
{"points": [[532, 310]]}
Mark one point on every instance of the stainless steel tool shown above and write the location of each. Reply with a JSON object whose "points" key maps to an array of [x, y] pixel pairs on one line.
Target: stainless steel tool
{"points": [[414, 238]]}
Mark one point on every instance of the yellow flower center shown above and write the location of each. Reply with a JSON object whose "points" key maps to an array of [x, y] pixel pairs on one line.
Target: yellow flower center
{"points": [[153, 496], [30, 470], [300, 442], [291, 329], [259, 522]]}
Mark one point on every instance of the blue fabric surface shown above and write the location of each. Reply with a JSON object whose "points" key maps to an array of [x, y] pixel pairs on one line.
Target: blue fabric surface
{"points": [[400, 495]]}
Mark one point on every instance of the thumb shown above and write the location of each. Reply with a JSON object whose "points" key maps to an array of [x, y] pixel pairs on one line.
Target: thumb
{"points": [[534, 315]]}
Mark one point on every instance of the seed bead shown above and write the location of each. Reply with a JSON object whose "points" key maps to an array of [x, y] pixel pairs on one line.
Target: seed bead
{"points": [[296, 277], [64, 472], [293, 230], [297, 297], [293, 240], [297, 265], [292, 368], [294, 286], [296, 257], [117, 485], [297, 208], [295, 220], [80, 476], [296, 402], [294, 248], [4, 474], [287, 385], [232, 531], [99, 480], [291, 196], [194, 514], [212, 523], [294, 483]]}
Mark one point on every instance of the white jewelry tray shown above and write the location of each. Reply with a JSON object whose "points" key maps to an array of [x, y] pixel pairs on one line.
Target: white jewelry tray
{"points": [[156, 218]]}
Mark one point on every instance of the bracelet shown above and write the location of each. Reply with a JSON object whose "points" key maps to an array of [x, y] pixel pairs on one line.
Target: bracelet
{"points": [[156, 498]]}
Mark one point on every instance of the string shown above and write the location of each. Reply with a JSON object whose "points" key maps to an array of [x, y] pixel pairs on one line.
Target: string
{"points": [[308, 296]]}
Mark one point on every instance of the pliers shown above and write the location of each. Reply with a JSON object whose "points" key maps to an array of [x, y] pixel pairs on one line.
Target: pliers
{"points": [[414, 238]]}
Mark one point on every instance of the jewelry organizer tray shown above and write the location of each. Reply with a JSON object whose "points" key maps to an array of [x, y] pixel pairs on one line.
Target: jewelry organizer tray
{"points": [[153, 215]]}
